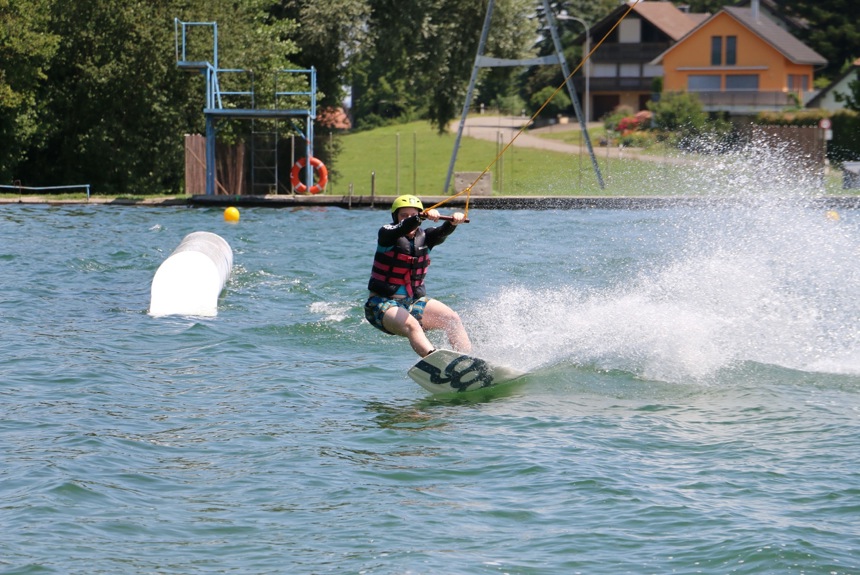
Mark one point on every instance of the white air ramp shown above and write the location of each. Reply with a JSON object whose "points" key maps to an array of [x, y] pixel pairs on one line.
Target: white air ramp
{"points": [[191, 279]]}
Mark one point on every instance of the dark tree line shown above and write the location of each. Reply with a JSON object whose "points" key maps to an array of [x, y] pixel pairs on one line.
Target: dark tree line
{"points": [[90, 91]]}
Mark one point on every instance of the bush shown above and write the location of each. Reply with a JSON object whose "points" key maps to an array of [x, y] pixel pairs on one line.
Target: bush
{"points": [[559, 103], [611, 121], [638, 139], [639, 121], [511, 105], [808, 117], [685, 124], [680, 112]]}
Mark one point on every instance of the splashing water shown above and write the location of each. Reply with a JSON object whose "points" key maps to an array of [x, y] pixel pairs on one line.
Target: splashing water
{"points": [[764, 278]]}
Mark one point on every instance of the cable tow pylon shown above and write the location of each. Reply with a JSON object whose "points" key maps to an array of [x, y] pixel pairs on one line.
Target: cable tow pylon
{"points": [[482, 61], [567, 81]]}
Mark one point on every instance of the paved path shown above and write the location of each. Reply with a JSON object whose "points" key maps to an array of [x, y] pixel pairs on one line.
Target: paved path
{"points": [[503, 128]]}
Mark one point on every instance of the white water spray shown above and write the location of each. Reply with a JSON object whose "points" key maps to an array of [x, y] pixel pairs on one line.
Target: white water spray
{"points": [[765, 277]]}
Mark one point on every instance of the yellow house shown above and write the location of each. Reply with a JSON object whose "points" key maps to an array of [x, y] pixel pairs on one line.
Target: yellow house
{"points": [[741, 62]]}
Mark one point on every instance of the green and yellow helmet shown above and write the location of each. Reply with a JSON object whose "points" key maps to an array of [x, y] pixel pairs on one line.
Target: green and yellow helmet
{"points": [[405, 201]]}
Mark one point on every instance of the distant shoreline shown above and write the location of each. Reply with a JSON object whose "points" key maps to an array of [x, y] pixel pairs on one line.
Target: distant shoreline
{"points": [[479, 202]]}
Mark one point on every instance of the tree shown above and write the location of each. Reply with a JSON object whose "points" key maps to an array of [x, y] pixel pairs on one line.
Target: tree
{"points": [[113, 104], [512, 35], [26, 49], [680, 112], [852, 99], [329, 35], [452, 55], [831, 34], [709, 6], [554, 103], [419, 56]]}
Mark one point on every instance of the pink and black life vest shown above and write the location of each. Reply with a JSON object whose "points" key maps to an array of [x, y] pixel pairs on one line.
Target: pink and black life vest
{"points": [[403, 264]]}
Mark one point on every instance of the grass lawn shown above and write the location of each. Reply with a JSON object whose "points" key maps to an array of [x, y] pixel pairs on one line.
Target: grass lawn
{"points": [[413, 158]]}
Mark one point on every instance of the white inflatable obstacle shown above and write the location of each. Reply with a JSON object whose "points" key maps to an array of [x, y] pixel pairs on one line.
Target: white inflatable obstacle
{"points": [[191, 279]]}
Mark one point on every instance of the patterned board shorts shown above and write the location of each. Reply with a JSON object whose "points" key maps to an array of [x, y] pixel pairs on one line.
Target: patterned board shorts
{"points": [[376, 307]]}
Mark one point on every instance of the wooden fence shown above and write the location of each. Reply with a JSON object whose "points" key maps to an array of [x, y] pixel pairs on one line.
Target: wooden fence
{"points": [[230, 172], [805, 146]]}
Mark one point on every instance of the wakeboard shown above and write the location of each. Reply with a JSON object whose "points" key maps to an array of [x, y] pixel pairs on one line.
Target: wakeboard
{"points": [[446, 371]]}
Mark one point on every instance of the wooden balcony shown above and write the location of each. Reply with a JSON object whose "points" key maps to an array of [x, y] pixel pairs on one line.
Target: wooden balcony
{"points": [[614, 84], [629, 53]]}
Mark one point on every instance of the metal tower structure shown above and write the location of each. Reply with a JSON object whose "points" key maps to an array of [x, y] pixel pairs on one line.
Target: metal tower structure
{"points": [[215, 108], [482, 61]]}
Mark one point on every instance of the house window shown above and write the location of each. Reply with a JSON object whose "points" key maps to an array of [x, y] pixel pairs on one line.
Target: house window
{"points": [[630, 71], [745, 82], [716, 50], [650, 71], [629, 76], [798, 82], [630, 31], [731, 50], [599, 70], [703, 83]]}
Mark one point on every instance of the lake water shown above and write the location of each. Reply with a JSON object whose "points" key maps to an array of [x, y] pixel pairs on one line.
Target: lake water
{"points": [[693, 404]]}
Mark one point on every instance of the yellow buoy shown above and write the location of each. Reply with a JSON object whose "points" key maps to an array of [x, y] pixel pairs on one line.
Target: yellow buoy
{"points": [[832, 215], [231, 214]]}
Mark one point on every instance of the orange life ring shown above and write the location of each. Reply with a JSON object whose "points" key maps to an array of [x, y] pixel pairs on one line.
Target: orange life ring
{"points": [[320, 170]]}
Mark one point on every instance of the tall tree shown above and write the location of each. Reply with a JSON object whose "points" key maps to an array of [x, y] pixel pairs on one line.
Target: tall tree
{"points": [[329, 36], [709, 6], [26, 49], [512, 33], [421, 56], [852, 98], [389, 75], [833, 35], [114, 104]]}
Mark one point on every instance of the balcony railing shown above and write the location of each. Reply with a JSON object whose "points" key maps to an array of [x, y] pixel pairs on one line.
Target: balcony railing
{"points": [[614, 84], [745, 98], [629, 53], [750, 100]]}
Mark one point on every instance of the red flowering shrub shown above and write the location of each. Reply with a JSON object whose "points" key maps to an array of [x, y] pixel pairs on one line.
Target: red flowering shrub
{"points": [[638, 121]]}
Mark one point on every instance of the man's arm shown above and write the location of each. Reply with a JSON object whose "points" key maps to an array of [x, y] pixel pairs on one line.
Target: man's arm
{"points": [[389, 233], [437, 235]]}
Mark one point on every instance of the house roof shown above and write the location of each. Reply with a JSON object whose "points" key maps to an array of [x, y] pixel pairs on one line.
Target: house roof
{"points": [[777, 8], [665, 16], [780, 39], [333, 118], [766, 29], [854, 69]]}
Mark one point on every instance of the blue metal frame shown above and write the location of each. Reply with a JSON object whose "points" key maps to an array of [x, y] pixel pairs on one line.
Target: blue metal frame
{"points": [[308, 134], [215, 109]]}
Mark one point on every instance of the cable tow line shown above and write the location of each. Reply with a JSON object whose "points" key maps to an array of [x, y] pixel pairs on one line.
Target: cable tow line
{"points": [[468, 189]]}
